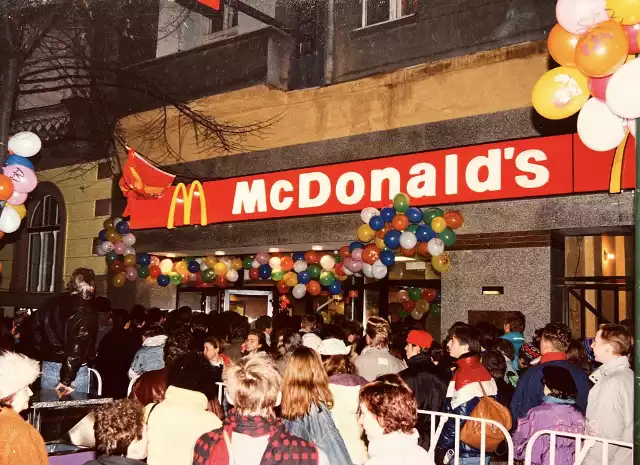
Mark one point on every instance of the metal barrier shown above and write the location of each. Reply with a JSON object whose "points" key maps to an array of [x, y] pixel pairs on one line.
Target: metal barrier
{"points": [[581, 449], [98, 378], [437, 431], [221, 389]]}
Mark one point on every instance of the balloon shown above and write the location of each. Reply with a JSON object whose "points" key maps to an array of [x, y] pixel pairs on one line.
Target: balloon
{"points": [[98, 248], [369, 213], [376, 223], [18, 160], [560, 93], [345, 252], [422, 306], [408, 240], [130, 260], [327, 262], [23, 178], [131, 274], [400, 222], [208, 275], [401, 202], [409, 252], [300, 266], [262, 258], [413, 227], [631, 124], [423, 249], [416, 314], [112, 235], [314, 271], [111, 257], [9, 220], [367, 270], [415, 293], [576, 16], [370, 254], [304, 277], [108, 224], [17, 198], [598, 87], [143, 272], [6, 188], [282, 287], [435, 309], [326, 278], [633, 37], [623, 92], [429, 295], [380, 243], [414, 215], [193, 266], [236, 264], [163, 280], [116, 221], [387, 257], [314, 288], [387, 214], [119, 247], [232, 276], [435, 247], [357, 254], [625, 11], [438, 224], [130, 251], [274, 263], [430, 214], [181, 267], [408, 305], [339, 269], [424, 233], [265, 271], [562, 46], [402, 296], [299, 291], [298, 256], [291, 279], [26, 144], [441, 263], [119, 279], [355, 245], [335, 287], [166, 266], [286, 263], [117, 267], [356, 265], [129, 239], [598, 128], [277, 275], [379, 270], [392, 239], [454, 219], [365, 233], [602, 50], [254, 274], [246, 263], [154, 271], [448, 236]]}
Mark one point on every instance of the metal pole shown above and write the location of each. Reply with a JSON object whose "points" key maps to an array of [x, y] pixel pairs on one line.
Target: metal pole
{"points": [[636, 297]]}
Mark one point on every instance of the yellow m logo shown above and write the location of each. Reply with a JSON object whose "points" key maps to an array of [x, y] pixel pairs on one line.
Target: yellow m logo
{"points": [[187, 199]]}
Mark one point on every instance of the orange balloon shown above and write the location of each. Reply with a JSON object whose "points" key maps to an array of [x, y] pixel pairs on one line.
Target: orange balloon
{"points": [[6, 187], [602, 50], [370, 254], [562, 46], [423, 249], [314, 288], [454, 219], [286, 263], [409, 252], [400, 222], [311, 257], [380, 234]]}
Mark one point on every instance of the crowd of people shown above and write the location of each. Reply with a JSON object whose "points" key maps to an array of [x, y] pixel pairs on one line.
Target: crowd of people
{"points": [[296, 390]]}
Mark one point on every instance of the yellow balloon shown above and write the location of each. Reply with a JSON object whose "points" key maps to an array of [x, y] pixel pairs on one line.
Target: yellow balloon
{"points": [[181, 267], [560, 93], [21, 209], [380, 243], [441, 263], [236, 264], [365, 233], [438, 224], [220, 269], [210, 261], [626, 12], [290, 279]]}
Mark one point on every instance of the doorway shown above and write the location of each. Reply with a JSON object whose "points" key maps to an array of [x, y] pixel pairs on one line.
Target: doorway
{"points": [[250, 303]]}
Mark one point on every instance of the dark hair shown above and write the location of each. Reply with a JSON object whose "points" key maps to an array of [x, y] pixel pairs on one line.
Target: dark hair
{"points": [[117, 425], [577, 354], [338, 364], [262, 339], [559, 335], [138, 316], [263, 323], [487, 334], [516, 321], [495, 363], [119, 317], [505, 347], [154, 316], [200, 323], [150, 387], [82, 282], [177, 345], [151, 331], [392, 402], [466, 335], [559, 381], [214, 341], [193, 372]]}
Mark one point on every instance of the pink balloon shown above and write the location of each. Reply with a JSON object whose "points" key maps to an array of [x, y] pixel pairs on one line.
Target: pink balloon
{"points": [[119, 247], [155, 261], [131, 273], [598, 87], [18, 198], [24, 179], [577, 16], [356, 266], [356, 254], [262, 258]]}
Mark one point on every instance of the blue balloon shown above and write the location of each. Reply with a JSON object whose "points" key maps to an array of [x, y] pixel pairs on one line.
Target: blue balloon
{"points": [[414, 215], [438, 297], [144, 259], [265, 271], [103, 235], [335, 287], [387, 214], [123, 227], [376, 223], [387, 257], [356, 245], [163, 280], [193, 266], [304, 277], [298, 256], [392, 239], [18, 160], [424, 233]]}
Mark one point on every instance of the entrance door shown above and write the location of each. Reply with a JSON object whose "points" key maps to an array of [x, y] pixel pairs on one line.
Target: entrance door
{"points": [[252, 304]]}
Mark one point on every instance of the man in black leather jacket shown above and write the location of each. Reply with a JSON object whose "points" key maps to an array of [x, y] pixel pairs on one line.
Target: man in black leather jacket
{"points": [[65, 334]]}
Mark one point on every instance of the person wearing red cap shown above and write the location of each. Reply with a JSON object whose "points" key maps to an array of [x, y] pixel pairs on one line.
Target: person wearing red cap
{"points": [[422, 377]]}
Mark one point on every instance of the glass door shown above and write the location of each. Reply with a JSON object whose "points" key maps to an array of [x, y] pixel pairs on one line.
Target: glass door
{"points": [[250, 303]]}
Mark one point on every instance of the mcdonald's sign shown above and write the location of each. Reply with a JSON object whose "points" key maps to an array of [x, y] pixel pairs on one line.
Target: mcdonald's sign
{"points": [[195, 189]]}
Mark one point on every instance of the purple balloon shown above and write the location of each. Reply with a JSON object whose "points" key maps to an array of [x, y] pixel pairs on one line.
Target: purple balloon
{"points": [[119, 247], [131, 273], [24, 179], [348, 263], [357, 266], [262, 258], [356, 255]]}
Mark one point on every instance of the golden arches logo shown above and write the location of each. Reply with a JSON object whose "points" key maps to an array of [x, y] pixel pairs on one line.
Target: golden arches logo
{"points": [[187, 198]]}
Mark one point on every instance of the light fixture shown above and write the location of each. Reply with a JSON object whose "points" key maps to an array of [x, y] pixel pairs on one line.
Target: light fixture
{"points": [[317, 248], [402, 258], [219, 253], [170, 255], [608, 256], [274, 250], [492, 290]]}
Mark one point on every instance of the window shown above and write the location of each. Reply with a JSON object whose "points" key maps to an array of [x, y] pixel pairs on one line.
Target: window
{"points": [[226, 19], [43, 235], [380, 11]]}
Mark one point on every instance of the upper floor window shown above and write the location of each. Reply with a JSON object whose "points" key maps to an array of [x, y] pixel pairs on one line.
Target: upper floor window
{"points": [[380, 11], [43, 232]]}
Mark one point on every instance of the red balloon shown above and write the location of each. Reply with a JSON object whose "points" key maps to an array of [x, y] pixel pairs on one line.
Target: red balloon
{"points": [[6, 187], [598, 87], [311, 257], [345, 252], [387, 227], [409, 252], [154, 271], [254, 274], [314, 288], [199, 278], [429, 295], [370, 254], [286, 263], [423, 250], [222, 282], [408, 305], [117, 267], [339, 269], [282, 287], [633, 35], [400, 222]]}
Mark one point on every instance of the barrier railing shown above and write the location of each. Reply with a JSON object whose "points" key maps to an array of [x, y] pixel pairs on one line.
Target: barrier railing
{"points": [[583, 444]]}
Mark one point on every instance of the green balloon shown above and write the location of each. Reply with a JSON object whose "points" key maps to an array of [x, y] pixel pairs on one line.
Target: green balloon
{"points": [[415, 293], [412, 227], [431, 213], [402, 314], [189, 259], [326, 278], [247, 262], [448, 236], [314, 271], [401, 203], [435, 309], [277, 275], [143, 272], [208, 275], [112, 257], [175, 278], [337, 258]]}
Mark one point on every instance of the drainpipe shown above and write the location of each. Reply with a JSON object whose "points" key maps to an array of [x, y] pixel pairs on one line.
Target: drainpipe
{"points": [[636, 278], [329, 44]]}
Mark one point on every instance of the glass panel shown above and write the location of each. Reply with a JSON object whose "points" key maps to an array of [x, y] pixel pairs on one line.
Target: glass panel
{"points": [[36, 217], [377, 11], [34, 262], [251, 306], [190, 299], [232, 18], [47, 272], [50, 211]]}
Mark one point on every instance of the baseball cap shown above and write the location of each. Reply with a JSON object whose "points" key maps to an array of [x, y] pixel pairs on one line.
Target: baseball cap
{"points": [[420, 338], [333, 346]]}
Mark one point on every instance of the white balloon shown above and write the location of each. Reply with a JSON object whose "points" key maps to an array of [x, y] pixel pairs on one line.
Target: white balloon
{"points": [[367, 270], [203, 266], [577, 16], [100, 251], [255, 264], [369, 213], [300, 266], [129, 239], [107, 246], [232, 276], [347, 271], [379, 270], [274, 263], [328, 262], [25, 144], [116, 221], [129, 251], [598, 128], [9, 220], [408, 240], [166, 265], [623, 91], [631, 124], [299, 291], [435, 246]]}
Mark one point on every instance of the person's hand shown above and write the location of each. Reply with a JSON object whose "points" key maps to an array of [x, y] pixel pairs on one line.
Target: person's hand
{"points": [[63, 390]]}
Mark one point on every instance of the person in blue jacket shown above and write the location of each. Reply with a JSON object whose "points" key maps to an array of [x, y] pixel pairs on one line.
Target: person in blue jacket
{"points": [[513, 332], [530, 391]]}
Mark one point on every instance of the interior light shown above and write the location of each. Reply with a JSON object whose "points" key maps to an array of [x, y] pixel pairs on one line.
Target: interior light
{"points": [[274, 250], [317, 248], [219, 253]]}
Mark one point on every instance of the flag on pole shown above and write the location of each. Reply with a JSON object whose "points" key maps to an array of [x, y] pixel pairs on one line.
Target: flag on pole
{"points": [[215, 4]]}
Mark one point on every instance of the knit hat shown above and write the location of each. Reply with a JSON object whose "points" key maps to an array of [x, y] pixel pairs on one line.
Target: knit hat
{"points": [[333, 346], [16, 373], [528, 352], [420, 338]]}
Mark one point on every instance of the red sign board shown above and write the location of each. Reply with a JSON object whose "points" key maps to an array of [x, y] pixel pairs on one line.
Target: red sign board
{"points": [[543, 166]]}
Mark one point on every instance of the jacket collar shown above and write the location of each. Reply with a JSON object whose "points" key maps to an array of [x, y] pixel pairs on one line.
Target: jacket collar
{"points": [[613, 365], [388, 443], [553, 357], [467, 360], [186, 397], [155, 341]]}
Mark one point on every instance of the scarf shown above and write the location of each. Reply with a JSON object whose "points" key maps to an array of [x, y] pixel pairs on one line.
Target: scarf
{"points": [[557, 400], [282, 449]]}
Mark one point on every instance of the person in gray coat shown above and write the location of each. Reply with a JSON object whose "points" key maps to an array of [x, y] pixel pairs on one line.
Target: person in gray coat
{"points": [[375, 360]]}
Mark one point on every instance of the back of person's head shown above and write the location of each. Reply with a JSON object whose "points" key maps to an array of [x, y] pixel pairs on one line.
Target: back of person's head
{"points": [[200, 323], [305, 383], [392, 403], [353, 328], [291, 340], [154, 316], [577, 354], [339, 365], [253, 385], [619, 337], [559, 381], [505, 347], [103, 304], [263, 323], [557, 337], [514, 322], [138, 316], [487, 334], [119, 318], [332, 331], [150, 387], [466, 335], [527, 354], [379, 332], [495, 363], [152, 331], [193, 372], [537, 337], [308, 322], [176, 345], [117, 425], [82, 282]]}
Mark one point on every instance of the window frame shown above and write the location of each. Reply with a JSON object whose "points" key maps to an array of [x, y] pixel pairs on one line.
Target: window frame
{"points": [[45, 232], [395, 13]]}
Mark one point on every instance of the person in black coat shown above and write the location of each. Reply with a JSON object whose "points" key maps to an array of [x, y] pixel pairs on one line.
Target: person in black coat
{"points": [[424, 379]]}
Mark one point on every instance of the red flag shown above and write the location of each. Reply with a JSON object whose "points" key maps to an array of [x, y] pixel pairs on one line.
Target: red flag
{"points": [[215, 4]]}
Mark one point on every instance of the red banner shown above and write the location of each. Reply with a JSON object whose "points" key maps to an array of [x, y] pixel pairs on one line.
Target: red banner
{"points": [[543, 166]]}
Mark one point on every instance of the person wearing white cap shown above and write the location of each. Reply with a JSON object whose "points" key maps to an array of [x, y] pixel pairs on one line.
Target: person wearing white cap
{"points": [[21, 444], [344, 383]]}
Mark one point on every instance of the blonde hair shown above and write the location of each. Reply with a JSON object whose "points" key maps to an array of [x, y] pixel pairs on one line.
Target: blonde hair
{"points": [[253, 385], [305, 383], [379, 331]]}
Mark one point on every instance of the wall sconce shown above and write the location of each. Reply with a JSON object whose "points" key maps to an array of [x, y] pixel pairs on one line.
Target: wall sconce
{"points": [[492, 290], [606, 256]]}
